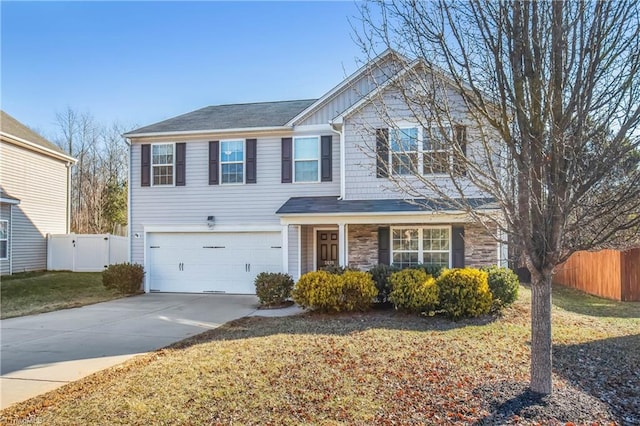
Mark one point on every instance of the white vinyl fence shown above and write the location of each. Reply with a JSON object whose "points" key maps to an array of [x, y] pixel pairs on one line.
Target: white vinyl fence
{"points": [[85, 252]]}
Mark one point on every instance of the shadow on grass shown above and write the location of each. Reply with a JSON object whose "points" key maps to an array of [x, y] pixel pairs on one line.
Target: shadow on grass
{"points": [[578, 302], [608, 369]]}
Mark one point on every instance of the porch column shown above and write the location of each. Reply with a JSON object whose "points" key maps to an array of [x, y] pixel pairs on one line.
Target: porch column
{"points": [[342, 247], [285, 249]]}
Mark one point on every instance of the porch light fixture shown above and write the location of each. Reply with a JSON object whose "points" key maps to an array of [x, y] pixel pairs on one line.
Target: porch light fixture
{"points": [[211, 221]]}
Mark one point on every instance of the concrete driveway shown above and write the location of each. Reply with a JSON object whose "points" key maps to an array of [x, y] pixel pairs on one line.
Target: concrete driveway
{"points": [[42, 352]]}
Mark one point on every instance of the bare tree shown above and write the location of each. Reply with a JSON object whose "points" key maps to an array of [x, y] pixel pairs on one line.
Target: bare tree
{"points": [[550, 92], [99, 179]]}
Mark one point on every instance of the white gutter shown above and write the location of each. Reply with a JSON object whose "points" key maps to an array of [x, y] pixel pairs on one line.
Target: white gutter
{"points": [[9, 201], [207, 131], [39, 148], [343, 186]]}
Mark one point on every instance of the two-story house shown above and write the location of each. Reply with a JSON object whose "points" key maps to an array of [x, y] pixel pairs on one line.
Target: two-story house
{"points": [[220, 194], [34, 196]]}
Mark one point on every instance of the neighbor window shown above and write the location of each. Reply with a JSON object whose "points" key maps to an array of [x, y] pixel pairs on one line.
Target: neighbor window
{"points": [[417, 150], [4, 239], [306, 156], [414, 246], [232, 161], [162, 163]]}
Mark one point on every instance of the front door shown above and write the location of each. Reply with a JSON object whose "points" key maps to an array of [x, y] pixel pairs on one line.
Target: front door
{"points": [[327, 250]]}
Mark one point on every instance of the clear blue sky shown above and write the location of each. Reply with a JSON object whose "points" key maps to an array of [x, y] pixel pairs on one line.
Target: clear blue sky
{"points": [[142, 62]]}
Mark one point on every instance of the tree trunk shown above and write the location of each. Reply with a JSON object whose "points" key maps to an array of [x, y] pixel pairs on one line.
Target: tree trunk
{"points": [[541, 334]]}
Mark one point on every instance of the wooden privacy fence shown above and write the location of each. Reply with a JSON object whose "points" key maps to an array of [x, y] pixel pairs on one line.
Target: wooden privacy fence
{"points": [[607, 273]]}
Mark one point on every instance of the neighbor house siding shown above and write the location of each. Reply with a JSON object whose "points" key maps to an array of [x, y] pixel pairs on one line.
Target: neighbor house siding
{"points": [[40, 183], [361, 182], [232, 205], [5, 214]]}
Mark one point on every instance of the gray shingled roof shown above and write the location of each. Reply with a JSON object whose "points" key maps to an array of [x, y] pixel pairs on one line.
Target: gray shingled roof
{"points": [[220, 117], [10, 125], [322, 205]]}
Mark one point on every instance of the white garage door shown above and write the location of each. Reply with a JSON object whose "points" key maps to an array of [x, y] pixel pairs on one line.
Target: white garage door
{"points": [[211, 262]]}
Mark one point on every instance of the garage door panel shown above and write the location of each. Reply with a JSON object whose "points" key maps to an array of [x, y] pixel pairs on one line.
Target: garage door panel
{"points": [[211, 262]]}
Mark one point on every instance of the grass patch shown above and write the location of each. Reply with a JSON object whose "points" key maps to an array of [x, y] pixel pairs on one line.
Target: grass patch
{"points": [[381, 367], [37, 292]]}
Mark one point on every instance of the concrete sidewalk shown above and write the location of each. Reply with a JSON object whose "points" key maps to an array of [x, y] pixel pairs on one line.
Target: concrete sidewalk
{"points": [[42, 352]]}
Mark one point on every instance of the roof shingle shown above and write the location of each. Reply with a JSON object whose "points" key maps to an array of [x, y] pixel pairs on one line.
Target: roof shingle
{"points": [[221, 117], [13, 127]]}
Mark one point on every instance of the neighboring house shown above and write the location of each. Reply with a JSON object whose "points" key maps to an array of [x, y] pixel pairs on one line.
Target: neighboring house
{"points": [[220, 194], [34, 196]]}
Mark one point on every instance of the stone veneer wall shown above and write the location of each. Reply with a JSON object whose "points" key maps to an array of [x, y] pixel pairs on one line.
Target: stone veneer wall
{"points": [[480, 249], [362, 244]]}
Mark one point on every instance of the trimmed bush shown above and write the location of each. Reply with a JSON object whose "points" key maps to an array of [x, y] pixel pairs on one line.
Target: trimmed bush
{"points": [[358, 291], [273, 288], [337, 270], [504, 285], [464, 292], [319, 290], [380, 274], [413, 291], [126, 278], [432, 270]]}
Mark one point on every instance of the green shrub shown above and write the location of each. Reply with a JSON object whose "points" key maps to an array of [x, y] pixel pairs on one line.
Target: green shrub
{"points": [[273, 288], [380, 274], [504, 285], [125, 278], [337, 270], [319, 290], [464, 292], [432, 270], [358, 291], [413, 291]]}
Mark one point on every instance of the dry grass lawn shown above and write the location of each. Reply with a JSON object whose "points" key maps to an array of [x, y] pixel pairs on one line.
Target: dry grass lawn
{"points": [[376, 368]]}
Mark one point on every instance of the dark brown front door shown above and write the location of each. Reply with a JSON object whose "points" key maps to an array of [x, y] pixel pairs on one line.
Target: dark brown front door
{"points": [[327, 248]]}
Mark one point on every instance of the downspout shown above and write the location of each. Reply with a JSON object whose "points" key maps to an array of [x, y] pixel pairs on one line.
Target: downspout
{"points": [[129, 224], [10, 243], [342, 160]]}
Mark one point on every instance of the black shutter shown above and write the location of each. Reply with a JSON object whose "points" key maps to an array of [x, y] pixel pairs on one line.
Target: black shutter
{"points": [[384, 245], [181, 149], [214, 154], [457, 249], [252, 155], [461, 139], [382, 153], [287, 162], [325, 159], [145, 167]]}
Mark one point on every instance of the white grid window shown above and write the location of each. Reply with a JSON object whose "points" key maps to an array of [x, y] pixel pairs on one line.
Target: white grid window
{"points": [[404, 150], [306, 159], [4, 239], [417, 150], [232, 161], [162, 163], [436, 158], [426, 245]]}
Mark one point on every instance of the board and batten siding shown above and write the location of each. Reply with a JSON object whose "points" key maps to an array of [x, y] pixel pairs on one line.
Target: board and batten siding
{"points": [[5, 214], [361, 182], [234, 205], [40, 183], [351, 94]]}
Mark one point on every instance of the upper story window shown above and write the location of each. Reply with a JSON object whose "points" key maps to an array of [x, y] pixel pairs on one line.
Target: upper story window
{"points": [[162, 163], [306, 159], [232, 161], [4, 239], [417, 150]]}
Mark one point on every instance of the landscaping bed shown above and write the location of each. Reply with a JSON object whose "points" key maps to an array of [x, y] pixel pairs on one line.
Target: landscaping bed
{"points": [[381, 367], [37, 292]]}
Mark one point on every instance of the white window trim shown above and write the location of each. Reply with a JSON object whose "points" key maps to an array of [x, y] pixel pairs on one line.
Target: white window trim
{"points": [[317, 159], [400, 126], [421, 251], [5, 239], [173, 175], [244, 162]]}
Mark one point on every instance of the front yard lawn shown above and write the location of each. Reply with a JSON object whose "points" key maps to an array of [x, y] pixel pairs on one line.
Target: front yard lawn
{"points": [[380, 367], [36, 292]]}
